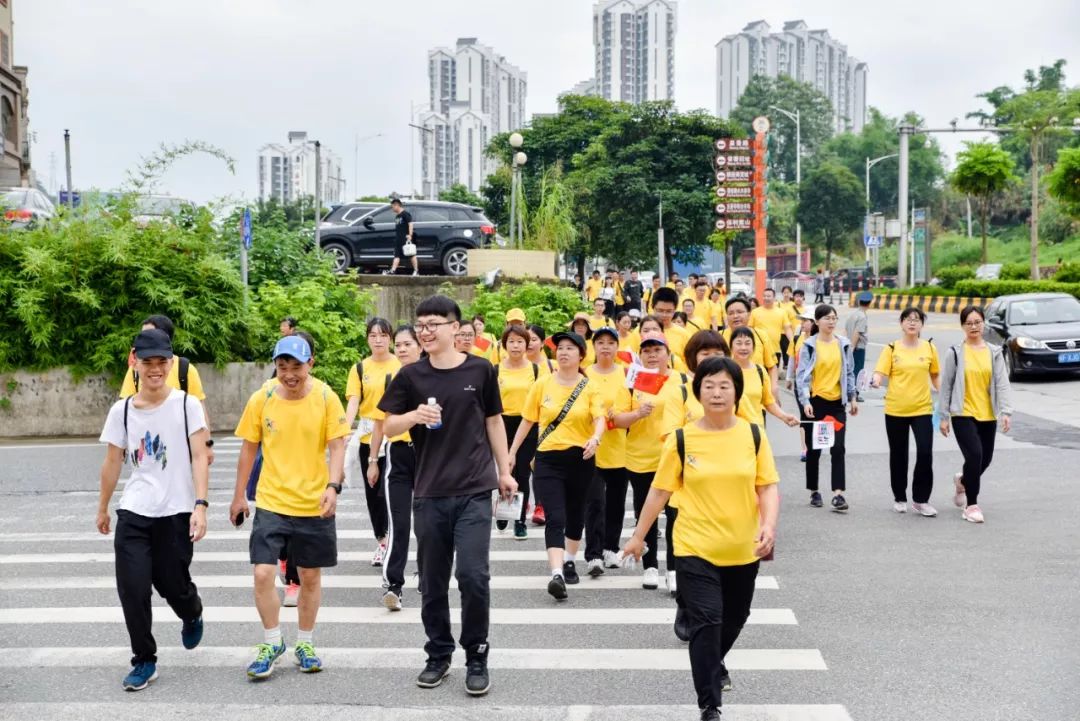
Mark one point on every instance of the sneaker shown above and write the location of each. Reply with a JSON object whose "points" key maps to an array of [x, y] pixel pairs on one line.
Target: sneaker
{"points": [[611, 559], [434, 672], [538, 517], [839, 505], [392, 598], [292, 596], [725, 678], [569, 572], [924, 509], [901, 506], [682, 628], [380, 553], [266, 657], [596, 568], [710, 713], [415, 273], [140, 676], [191, 633], [477, 681], [651, 579], [557, 587], [520, 532], [960, 499], [815, 499], [283, 568], [388, 272], [501, 526], [306, 659], [973, 514]]}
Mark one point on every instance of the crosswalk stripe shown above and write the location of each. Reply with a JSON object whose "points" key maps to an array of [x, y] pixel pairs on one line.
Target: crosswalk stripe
{"points": [[575, 659], [370, 614], [347, 534], [234, 556], [329, 580]]}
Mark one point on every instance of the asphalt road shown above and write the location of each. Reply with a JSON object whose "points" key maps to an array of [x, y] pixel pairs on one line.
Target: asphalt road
{"points": [[871, 615]]}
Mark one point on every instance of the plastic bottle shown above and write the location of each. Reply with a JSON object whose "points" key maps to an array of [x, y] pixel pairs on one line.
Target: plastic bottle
{"points": [[433, 426]]}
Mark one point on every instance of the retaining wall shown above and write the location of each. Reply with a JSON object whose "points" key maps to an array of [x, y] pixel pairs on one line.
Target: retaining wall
{"points": [[396, 296]]}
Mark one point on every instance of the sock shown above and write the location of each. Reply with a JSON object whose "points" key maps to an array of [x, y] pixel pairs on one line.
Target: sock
{"points": [[556, 572], [567, 556], [272, 636], [308, 636]]}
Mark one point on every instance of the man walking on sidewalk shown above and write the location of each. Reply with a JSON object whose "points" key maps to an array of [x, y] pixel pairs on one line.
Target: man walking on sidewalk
{"points": [[403, 233]]}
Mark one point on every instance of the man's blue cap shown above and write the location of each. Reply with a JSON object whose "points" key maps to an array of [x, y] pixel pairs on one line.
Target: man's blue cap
{"points": [[865, 297], [294, 346]]}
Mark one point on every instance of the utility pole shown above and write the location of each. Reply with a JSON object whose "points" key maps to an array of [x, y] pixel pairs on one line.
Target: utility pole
{"points": [[318, 190], [797, 117], [661, 251], [906, 131], [67, 166]]}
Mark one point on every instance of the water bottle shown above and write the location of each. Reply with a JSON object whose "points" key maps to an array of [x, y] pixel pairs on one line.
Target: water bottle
{"points": [[433, 426]]}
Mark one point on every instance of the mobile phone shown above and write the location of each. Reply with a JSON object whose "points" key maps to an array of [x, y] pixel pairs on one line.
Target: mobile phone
{"points": [[238, 520]]}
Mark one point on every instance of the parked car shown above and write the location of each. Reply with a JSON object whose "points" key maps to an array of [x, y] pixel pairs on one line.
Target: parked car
{"points": [[348, 213], [1038, 332], [792, 275], [22, 207], [443, 233]]}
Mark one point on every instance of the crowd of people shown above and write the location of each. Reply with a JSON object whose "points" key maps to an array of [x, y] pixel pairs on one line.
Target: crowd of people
{"points": [[447, 426]]}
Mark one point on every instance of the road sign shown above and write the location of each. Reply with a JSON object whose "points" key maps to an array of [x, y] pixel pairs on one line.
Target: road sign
{"points": [[760, 124], [733, 176], [726, 161], [733, 144], [245, 228], [734, 224], [872, 241], [726, 192], [733, 208]]}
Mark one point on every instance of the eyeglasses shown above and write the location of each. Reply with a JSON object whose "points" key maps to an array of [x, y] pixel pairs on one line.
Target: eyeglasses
{"points": [[828, 317], [430, 327], [973, 324]]}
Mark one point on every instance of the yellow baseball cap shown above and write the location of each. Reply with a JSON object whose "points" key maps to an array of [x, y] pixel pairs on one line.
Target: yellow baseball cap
{"points": [[515, 315]]}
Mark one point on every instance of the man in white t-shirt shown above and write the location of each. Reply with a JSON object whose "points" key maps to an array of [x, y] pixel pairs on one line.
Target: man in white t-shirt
{"points": [[162, 433]]}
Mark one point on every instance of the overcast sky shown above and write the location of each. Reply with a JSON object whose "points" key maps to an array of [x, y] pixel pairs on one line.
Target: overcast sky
{"points": [[124, 75]]}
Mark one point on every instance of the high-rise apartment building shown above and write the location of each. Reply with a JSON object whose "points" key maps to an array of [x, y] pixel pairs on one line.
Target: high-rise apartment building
{"points": [[287, 171], [634, 41], [14, 102], [809, 56], [474, 94]]}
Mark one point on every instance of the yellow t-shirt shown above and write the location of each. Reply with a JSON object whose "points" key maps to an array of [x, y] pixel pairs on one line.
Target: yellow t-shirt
{"points": [[977, 378], [681, 408], [717, 491], [825, 380], [764, 350], [645, 435], [770, 321], [514, 385], [172, 380], [377, 377], [293, 435], [703, 313], [908, 371], [592, 289], [756, 396], [545, 402], [615, 397], [676, 339], [595, 322]]}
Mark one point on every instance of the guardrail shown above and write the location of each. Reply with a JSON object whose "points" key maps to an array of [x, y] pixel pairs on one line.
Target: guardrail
{"points": [[927, 303]]}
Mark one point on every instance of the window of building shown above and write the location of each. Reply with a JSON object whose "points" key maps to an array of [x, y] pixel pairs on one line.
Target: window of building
{"points": [[7, 120], [5, 48]]}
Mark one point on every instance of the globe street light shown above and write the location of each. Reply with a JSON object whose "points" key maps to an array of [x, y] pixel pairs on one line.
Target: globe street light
{"points": [[517, 159], [797, 117]]}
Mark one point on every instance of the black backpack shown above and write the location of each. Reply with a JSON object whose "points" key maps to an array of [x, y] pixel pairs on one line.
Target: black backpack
{"points": [[187, 436]]}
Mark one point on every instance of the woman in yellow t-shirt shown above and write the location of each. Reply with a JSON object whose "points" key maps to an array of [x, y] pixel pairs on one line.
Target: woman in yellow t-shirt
{"points": [[723, 471], [485, 345], [757, 397], [368, 381], [565, 454], [975, 392], [535, 352], [582, 327], [516, 377], [910, 367], [824, 385]]}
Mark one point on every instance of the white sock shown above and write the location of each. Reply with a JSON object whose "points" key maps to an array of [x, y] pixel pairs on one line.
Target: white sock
{"points": [[567, 556], [272, 636], [556, 572], [308, 636]]}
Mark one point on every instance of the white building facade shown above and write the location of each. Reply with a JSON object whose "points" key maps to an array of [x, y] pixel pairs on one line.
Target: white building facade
{"points": [[474, 95], [634, 43], [809, 56], [287, 171]]}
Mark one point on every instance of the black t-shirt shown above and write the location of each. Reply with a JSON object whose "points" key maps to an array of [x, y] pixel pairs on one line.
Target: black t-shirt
{"points": [[401, 225], [632, 291], [456, 459]]}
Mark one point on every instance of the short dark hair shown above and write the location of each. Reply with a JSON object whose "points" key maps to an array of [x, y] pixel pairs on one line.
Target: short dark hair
{"points": [[162, 323], [396, 201], [691, 301], [768, 290], [823, 310], [664, 295], [703, 340], [407, 328], [786, 287], [290, 321], [743, 332], [439, 305], [382, 324], [965, 313], [715, 366], [800, 292], [309, 338], [538, 330], [479, 317], [515, 329], [621, 314], [911, 309], [701, 283], [737, 299]]}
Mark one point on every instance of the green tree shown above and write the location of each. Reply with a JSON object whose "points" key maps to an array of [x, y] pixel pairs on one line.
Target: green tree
{"points": [[1063, 183], [815, 118], [496, 193], [373, 199], [983, 170], [458, 193], [552, 226], [830, 203]]}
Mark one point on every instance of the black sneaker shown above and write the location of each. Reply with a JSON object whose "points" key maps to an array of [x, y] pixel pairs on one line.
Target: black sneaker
{"points": [[839, 505], [815, 499], [569, 572], [477, 681], [434, 672], [725, 678], [557, 587], [501, 525], [520, 532], [682, 627], [710, 713], [191, 633]]}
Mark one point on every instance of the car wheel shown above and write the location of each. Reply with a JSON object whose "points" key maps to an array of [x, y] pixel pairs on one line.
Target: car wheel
{"points": [[1010, 365], [455, 261], [340, 255]]}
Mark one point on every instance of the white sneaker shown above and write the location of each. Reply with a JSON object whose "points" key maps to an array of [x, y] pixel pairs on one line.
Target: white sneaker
{"points": [[924, 509], [973, 514], [380, 553], [671, 583], [292, 596], [900, 507], [391, 600], [415, 273], [961, 495], [611, 559], [596, 568], [651, 580]]}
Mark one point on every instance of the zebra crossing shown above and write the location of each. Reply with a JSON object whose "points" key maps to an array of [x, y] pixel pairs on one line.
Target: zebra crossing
{"points": [[609, 653]]}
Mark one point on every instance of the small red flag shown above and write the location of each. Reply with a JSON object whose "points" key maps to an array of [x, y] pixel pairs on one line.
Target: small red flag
{"points": [[837, 425], [549, 344], [650, 383], [482, 343], [625, 356]]}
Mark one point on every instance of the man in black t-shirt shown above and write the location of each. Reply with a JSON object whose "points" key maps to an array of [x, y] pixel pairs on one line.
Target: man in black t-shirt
{"points": [[633, 289], [403, 231], [461, 457]]}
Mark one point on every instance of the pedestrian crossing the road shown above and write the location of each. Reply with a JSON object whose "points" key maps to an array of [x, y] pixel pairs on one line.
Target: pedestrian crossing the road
{"points": [[607, 653]]}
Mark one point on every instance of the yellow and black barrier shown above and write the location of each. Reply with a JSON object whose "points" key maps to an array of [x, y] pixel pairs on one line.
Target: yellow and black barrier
{"points": [[928, 303]]}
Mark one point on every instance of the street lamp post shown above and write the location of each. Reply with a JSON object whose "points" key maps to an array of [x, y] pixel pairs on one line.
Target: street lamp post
{"points": [[869, 164], [797, 117], [424, 132], [661, 252], [517, 159]]}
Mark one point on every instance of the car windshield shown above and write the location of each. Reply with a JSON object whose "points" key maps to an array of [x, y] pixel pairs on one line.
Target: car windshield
{"points": [[1044, 310]]}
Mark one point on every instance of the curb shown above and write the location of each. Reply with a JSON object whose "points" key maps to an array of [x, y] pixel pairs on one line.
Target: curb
{"points": [[926, 303]]}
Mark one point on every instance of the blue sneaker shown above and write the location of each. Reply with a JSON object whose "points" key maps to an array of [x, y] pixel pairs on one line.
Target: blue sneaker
{"points": [[306, 658], [191, 633], [263, 665], [140, 676]]}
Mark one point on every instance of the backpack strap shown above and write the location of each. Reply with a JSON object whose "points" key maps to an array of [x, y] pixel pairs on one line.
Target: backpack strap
{"points": [[685, 395], [536, 371], [185, 364], [680, 444], [127, 404], [565, 410], [755, 431], [760, 375], [187, 434]]}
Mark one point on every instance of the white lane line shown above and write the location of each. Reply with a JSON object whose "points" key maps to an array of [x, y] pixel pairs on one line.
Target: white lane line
{"points": [[231, 535], [39, 446], [577, 659], [234, 556], [498, 583], [369, 614]]}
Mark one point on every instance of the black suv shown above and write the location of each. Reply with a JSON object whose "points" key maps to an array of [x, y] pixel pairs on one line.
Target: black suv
{"points": [[443, 233], [348, 213]]}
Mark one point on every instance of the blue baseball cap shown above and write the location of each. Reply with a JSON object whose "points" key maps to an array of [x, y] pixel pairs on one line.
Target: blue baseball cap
{"points": [[294, 346], [865, 297]]}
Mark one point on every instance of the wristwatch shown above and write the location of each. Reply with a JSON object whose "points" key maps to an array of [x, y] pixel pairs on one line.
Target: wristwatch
{"points": [[335, 486], [202, 502]]}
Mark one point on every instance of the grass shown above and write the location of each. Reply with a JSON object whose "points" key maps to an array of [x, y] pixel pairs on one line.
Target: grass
{"points": [[951, 249]]}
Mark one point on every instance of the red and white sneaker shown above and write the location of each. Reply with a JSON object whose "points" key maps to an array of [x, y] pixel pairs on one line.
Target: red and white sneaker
{"points": [[380, 553], [961, 495], [292, 595], [538, 517], [973, 514]]}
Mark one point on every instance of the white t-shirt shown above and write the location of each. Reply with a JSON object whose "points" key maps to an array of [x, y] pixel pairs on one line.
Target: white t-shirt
{"points": [[161, 481]]}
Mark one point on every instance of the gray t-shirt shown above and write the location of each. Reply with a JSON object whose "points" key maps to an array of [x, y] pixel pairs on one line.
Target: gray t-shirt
{"points": [[859, 323]]}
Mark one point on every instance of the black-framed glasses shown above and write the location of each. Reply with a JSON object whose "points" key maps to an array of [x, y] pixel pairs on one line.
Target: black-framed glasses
{"points": [[430, 327]]}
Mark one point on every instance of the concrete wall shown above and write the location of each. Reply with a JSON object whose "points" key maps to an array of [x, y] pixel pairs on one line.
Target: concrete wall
{"points": [[51, 403], [396, 296], [513, 263]]}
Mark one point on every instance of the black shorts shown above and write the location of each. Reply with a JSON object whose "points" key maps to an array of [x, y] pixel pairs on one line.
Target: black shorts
{"points": [[312, 541], [399, 247]]}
